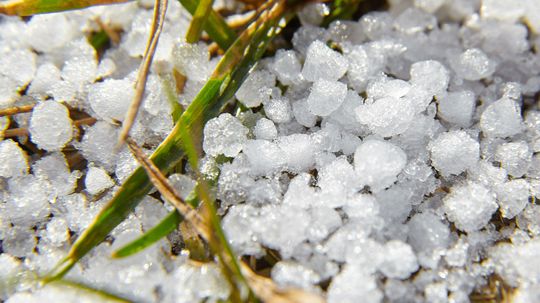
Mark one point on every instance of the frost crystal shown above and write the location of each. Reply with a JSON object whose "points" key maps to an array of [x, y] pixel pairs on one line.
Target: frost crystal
{"points": [[50, 126], [224, 135]]}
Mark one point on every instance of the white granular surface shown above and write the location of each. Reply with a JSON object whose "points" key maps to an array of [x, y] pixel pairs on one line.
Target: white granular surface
{"points": [[392, 158]]}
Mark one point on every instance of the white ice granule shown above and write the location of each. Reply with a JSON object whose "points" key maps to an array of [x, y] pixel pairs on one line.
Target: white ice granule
{"points": [[54, 169], [50, 31], [265, 129], [502, 10], [454, 152], [473, 64], [256, 89], [28, 200], [111, 98], [501, 119], [183, 184], [287, 67], [515, 157], [399, 260], [387, 116], [291, 274], [13, 160], [378, 163], [50, 126], [191, 59], [412, 21], [299, 152], [97, 180], [278, 110], [326, 96], [323, 63], [430, 75], [457, 108], [224, 135], [265, 157], [353, 285], [387, 87], [46, 76], [97, 143], [302, 114], [512, 197], [470, 206], [18, 65], [427, 232], [429, 6]]}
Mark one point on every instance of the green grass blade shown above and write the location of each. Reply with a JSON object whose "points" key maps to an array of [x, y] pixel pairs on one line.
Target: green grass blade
{"points": [[229, 74], [170, 94], [218, 30], [341, 10], [162, 229], [97, 295], [199, 19], [32, 7]]}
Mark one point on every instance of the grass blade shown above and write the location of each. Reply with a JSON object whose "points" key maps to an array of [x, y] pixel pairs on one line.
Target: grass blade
{"points": [[215, 26], [341, 10], [32, 7], [199, 19], [84, 290], [232, 69], [160, 8], [162, 229]]}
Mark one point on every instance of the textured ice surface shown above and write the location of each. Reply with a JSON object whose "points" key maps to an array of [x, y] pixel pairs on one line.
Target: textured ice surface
{"points": [[14, 161], [473, 64], [323, 63], [470, 206], [224, 135], [256, 89], [430, 75], [378, 163], [515, 157], [326, 96], [97, 180], [501, 119], [454, 152], [111, 98], [50, 126], [375, 158], [457, 108], [387, 116]]}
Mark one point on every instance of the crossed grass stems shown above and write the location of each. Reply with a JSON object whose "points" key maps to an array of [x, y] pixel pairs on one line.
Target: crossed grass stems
{"points": [[198, 213], [196, 216]]}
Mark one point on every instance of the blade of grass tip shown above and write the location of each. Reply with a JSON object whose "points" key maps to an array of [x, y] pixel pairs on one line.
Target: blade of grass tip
{"points": [[199, 19], [170, 94], [161, 230], [160, 8], [33, 7], [240, 58], [218, 30], [98, 294]]}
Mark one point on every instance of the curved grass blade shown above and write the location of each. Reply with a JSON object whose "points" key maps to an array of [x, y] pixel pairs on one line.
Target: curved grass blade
{"points": [[162, 229], [160, 9], [84, 290], [215, 26], [32, 7], [199, 19], [231, 71]]}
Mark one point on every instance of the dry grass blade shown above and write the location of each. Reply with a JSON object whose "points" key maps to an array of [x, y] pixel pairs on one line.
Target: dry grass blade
{"points": [[16, 110], [169, 193], [263, 288], [198, 21], [32, 7], [160, 9]]}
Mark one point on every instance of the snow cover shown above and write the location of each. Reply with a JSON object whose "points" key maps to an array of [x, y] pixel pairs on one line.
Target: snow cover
{"points": [[391, 158]]}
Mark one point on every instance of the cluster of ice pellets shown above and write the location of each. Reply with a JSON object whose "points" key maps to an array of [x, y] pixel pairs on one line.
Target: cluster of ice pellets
{"points": [[387, 159]]}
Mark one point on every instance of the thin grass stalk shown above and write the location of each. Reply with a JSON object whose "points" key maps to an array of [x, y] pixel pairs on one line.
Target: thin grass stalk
{"points": [[199, 19], [160, 9]]}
